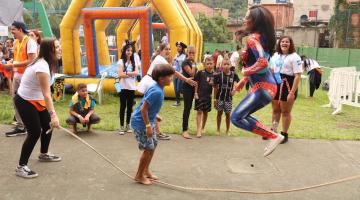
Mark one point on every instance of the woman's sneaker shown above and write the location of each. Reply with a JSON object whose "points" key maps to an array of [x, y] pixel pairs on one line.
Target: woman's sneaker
{"points": [[25, 172], [128, 129], [122, 130], [49, 158], [15, 132], [273, 143], [163, 136]]}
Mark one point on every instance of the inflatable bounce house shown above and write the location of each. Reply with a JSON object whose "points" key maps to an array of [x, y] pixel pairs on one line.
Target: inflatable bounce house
{"points": [[134, 21]]}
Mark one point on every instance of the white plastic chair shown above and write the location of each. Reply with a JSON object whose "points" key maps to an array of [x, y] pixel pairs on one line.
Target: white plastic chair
{"points": [[306, 78], [97, 89]]}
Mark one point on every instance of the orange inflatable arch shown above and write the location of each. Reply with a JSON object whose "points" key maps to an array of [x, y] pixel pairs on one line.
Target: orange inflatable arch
{"points": [[144, 14]]}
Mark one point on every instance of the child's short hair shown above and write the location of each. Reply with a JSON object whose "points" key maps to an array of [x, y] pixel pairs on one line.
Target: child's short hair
{"points": [[208, 59], [81, 86], [162, 70]]}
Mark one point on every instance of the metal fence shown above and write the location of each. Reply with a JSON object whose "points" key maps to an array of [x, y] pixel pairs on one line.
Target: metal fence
{"points": [[333, 57]]}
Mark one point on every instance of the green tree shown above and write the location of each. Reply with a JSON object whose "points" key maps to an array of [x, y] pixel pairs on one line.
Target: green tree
{"points": [[342, 30], [237, 8], [214, 29]]}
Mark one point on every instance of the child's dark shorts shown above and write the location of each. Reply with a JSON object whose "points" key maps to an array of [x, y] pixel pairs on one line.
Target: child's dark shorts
{"points": [[203, 105]]}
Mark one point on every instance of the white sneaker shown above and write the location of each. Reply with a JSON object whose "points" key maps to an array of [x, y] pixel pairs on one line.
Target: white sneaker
{"points": [[122, 130], [273, 144], [128, 129], [25, 172]]}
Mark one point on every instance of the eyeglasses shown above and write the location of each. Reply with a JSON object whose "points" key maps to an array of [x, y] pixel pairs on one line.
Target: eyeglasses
{"points": [[191, 52]]}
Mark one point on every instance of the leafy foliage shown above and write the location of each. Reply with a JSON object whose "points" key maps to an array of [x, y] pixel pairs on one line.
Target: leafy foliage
{"points": [[340, 24], [214, 29], [237, 8]]}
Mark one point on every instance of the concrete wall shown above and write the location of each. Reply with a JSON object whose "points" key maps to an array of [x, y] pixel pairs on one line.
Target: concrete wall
{"points": [[325, 9], [305, 36]]}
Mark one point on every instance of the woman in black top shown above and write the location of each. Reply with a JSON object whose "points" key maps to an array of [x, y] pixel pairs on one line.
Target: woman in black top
{"points": [[188, 70]]}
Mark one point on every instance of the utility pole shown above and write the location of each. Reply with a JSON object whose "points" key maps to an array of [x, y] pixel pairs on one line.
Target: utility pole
{"points": [[316, 17]]}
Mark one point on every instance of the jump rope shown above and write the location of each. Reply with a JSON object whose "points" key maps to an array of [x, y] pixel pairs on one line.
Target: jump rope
{"points": [[186, 188]]}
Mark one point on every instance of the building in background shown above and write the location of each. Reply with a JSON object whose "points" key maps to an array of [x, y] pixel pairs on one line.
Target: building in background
{"points": [[304, 20]]}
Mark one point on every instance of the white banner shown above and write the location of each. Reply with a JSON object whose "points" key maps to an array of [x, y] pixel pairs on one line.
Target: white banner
{"points": [[4, 31]]}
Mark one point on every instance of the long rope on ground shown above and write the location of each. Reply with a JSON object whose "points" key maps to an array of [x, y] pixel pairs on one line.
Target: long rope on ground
{"points": [[338, 181]]}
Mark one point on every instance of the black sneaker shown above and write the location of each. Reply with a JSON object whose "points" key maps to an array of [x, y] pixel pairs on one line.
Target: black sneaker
{"points": [[163, 136], [176, 104], [25, 172], [285, 137], [48, 157], [15, 132]]}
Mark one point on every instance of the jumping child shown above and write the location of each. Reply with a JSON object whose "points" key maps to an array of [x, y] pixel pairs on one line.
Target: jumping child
{"points": [[143, 120]]}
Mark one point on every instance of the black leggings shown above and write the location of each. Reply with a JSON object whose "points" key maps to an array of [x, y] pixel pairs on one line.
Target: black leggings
{"points": [[188, 99], [312, 89], [126, 100], [36, 124]]}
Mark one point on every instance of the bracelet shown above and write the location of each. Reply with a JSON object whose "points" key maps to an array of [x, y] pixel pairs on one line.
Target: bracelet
{"points": [[148, 125], [52, 113]]}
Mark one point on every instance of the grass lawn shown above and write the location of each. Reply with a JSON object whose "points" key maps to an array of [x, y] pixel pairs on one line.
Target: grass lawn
{"points": [[310, 120]]}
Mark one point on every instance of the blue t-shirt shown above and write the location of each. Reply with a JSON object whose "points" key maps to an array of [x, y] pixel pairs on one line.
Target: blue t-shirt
{"points": [[154, 97]]}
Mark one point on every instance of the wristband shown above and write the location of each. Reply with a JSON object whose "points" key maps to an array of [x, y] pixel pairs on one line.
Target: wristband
{"points": [[148, 125], [52, 113]]}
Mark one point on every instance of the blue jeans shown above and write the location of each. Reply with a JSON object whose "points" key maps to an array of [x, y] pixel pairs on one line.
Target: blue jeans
{"points": [[177, 88]]}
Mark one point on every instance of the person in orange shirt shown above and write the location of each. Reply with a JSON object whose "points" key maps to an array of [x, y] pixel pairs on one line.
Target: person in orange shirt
{"points": [[25, 51]]}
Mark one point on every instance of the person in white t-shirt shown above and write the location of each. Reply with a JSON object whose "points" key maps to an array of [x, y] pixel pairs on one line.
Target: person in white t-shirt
{"points": [[314, 71], [162, 58], [286, 66], [165, 39], [235, 58], [34, 103], [177, 63], [128, 69]]}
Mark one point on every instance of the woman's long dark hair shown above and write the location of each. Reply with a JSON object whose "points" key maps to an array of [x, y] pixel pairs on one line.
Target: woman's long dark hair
{"points": [[47, 52], [263, 22], [128, 45]]}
